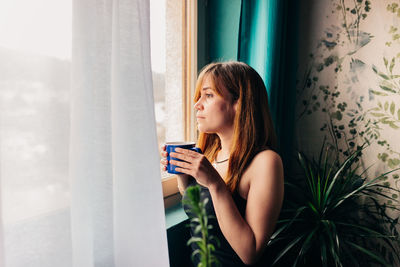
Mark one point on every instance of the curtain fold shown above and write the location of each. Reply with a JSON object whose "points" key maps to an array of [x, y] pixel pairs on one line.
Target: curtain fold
{"points": [[90, 161], [2, 255], [117, 209], [267, 42], [139, 220]]}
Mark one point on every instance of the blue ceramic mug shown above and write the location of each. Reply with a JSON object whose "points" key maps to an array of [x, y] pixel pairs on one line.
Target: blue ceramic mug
{"points": [[170, 147]]}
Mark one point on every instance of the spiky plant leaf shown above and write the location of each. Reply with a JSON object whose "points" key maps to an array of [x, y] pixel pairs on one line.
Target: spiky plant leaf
{"points": [[333, 216], [199, 221]]}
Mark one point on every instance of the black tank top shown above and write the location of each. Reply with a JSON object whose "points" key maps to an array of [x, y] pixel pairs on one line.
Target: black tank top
{"points": [[225, 254]]}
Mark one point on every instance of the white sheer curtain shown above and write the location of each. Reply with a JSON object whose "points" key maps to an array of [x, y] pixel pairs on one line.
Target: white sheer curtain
{"points": [[79, 164]]}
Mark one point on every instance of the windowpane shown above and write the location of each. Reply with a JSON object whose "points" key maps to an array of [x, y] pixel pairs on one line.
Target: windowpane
{"points": [[166, 19], [35, 59]]}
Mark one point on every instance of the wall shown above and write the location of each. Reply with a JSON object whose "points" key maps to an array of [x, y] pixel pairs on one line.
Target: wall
{"points": [[348, 85]]}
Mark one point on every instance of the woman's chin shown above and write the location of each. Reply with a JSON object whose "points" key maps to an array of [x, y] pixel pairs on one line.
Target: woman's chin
{"points": [[201, 129]]}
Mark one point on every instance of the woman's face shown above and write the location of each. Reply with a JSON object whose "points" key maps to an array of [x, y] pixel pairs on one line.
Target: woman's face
{"points": [[215, 114]]}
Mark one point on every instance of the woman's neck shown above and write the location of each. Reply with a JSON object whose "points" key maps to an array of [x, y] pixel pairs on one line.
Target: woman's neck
{"points": [[226, 144]]}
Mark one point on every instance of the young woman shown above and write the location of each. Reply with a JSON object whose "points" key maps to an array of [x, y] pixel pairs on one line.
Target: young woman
{"points": [[239, 171]]}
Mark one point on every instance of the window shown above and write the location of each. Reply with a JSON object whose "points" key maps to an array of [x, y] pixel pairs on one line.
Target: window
{"points": [[35, 61], [33, 152], [35, 189], [173, 47]]}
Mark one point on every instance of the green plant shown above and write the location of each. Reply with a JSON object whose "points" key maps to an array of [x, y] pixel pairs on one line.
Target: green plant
{"points": [[199, 221], [333, 216]]}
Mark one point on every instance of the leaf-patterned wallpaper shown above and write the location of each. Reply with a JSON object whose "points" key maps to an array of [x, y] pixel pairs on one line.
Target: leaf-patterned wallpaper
{"points": [[348, 87]]}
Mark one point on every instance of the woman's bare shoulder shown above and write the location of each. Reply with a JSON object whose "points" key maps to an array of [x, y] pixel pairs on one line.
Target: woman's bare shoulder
{"points": [[264, 164], [266, 161], [267, 156]]}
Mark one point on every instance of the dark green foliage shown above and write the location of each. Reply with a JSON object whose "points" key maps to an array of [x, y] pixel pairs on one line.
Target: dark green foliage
{"points": [[333, 216], [199, 219]]}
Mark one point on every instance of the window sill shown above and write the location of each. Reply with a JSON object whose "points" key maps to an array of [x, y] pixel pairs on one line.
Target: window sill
{"points": [[171, 193], [175, 215], [170, 186]]}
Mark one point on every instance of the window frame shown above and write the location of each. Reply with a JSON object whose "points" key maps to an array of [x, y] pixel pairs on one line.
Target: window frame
{"points": [[189, 76]]}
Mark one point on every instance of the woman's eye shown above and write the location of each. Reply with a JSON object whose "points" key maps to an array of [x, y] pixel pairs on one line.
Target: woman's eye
{"points": [[209, 95]]}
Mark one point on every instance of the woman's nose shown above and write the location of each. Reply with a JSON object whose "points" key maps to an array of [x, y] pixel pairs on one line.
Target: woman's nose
{"points": [[198, 105]]}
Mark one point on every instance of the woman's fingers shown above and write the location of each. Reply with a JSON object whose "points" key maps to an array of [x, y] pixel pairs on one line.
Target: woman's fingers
{"points": [[183, 170], [163, 152], [181, 156], [180, 164], [187, 152]]}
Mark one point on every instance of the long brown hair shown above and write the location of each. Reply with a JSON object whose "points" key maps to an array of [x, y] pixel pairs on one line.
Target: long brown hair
{"points": [[253, 128]]}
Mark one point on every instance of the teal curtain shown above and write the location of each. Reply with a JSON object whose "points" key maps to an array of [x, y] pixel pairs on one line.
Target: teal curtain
{"points": [[267, 41], [259, 34], [218, 30], [262, 33]]}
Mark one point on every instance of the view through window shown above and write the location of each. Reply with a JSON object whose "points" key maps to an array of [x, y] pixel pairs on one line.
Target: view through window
{"points": [[166, 17], [35, 59], [157, 31], [35, 62]]}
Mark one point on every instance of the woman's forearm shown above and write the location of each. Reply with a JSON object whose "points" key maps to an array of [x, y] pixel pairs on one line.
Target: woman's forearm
{"points": [[235, 228], [183, 182]]}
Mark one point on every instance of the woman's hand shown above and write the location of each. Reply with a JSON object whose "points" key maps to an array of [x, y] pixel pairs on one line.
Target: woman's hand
{"points": [[164, 161], [197, 166], [164, 155], [183, 179]]}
